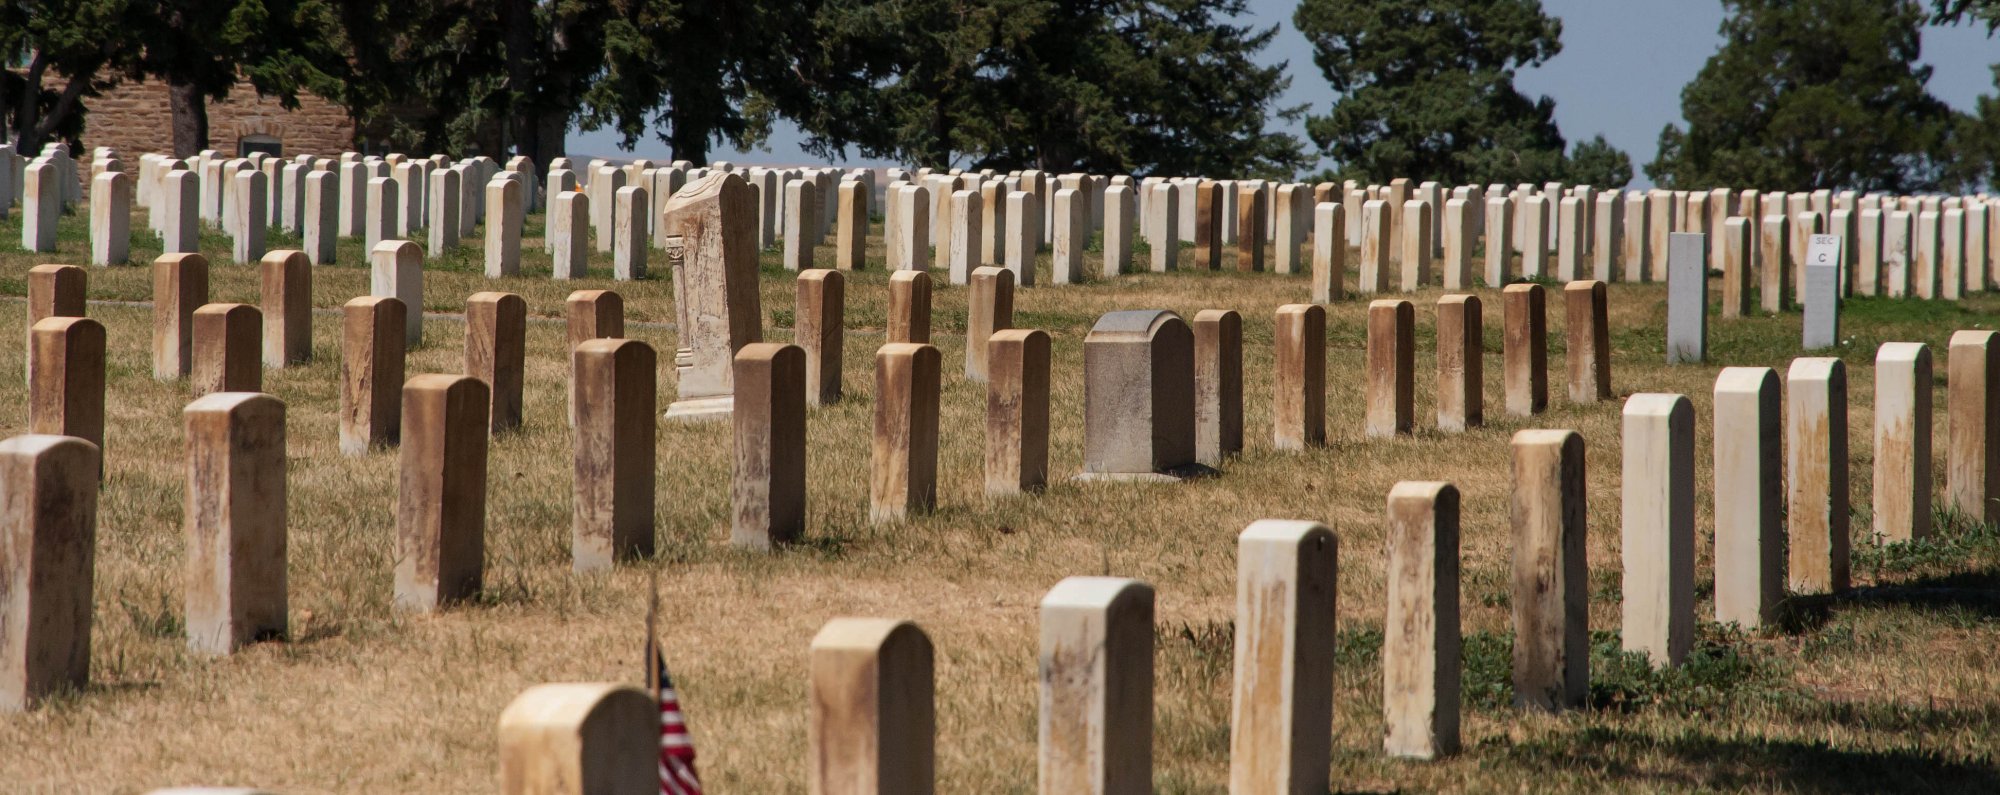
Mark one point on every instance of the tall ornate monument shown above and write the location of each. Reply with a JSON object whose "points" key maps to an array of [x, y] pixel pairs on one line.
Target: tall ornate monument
{"points": [[710, 230]]}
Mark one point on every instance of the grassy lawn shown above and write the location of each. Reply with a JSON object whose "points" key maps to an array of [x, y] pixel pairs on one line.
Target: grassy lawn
{"points": [[1890, 688]]}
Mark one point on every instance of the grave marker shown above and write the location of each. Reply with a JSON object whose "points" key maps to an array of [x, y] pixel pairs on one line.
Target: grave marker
{"points": [[1749, 528], [396, 270], [1902, 475], [227, 342], [286, 300], [372, 348], [496, 331], [1329, 253], [1589, 337], [989, 308], [1525, 360], [1687, 299], [1218, 384], [1298, 405], [903, 469], [1822, 292], [1391, 361], [1816, 475], [768, 485], [1017, 412], [1658, 527], [616, 429], [1420, 643], [1096, 672], [1551, 580], [1972, 459], [1139, 397], [712, 253], [441, 510], [235, 521], [48, 524], [66, 378], [1461, 375], [580, 739], [872, 729]]}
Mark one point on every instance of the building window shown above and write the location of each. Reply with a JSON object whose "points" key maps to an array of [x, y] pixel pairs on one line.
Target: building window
{"points": [[259, 143]]}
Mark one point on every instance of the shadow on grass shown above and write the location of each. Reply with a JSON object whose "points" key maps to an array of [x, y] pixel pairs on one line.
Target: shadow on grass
{"points": [[1702, 761], [1974, 594]]}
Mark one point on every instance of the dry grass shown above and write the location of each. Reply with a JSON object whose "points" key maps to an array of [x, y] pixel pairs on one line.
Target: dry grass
{"points": [[1887, 692]]}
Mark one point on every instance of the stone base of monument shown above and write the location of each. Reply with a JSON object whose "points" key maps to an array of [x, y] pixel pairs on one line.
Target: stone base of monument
{"points": [[1172, 475], [701, 409]]}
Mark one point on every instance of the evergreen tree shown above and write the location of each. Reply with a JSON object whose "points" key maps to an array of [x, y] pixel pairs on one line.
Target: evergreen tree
{"points": [[1427, 91], [1810, 94], [77, 41], [1144, 86]]}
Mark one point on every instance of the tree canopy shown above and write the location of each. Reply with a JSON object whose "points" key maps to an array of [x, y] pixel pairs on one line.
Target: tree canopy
{"points": [[1808, 94], [1427, 91]]}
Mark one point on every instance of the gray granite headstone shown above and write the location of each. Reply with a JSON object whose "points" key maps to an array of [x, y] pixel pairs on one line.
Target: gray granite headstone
{"points": [[1822, 292], [1687, 298]]}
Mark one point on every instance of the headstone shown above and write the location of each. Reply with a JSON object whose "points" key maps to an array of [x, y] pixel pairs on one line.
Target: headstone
{"points": [[617, 416], [66, 378], [235, 521], [503, 230], [353, 212], [1663, 224], [1635, 255], [1738, 264], [1927, 247], [1774, 265], [1096, 668], [989, 308], [321, 222], [1551, 580], [910, 248], [1896, 254], [396, 270], [441, 511], [371, 373], [291, 201], [602, 197], [1535, 222], [1391, 363], [110, 218], [1658, 528], [1499, 242], [580, 739], [180, 227], [1118, 216], [1208, 225], [1458, 226], [286, 301], [41, 206], [1420, 639], [712, 253], [53, 291], [1902, 476], [1816, 475], [442, 196], [1972, 454], [1218, 385], [819, 329], [1138, 397], [1607, 219], [1375, 246], [1687, 299], [1589, 341], [851, 240], [1017, 412], [247, 216], [228, 341], [903, 470], [569, 219], [1252, 208], [48, 525], [768, 487], [496, 334], [1291, 212], [1822, 292], [1461, 375], [1329, 253], [382, 220], [1749, 528], [1024, 216], [1072, 233], [1416, 243], [872, 728], [1298, 406], [909, 307], [1524, 315], [1868, 278], [180, 284], [631, 206], [1283, 698]]}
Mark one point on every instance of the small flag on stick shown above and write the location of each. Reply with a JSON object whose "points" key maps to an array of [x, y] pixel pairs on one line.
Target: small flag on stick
{"points": [[677, 775]]}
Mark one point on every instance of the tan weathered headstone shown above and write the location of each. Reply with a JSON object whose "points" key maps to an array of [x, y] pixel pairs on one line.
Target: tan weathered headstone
{"points": [[1282, 704], [1391, 363], [1535, 227], [1420, 643], [441, 511], [1208, 225], [1329, 253], [872, 729], [1499, 246], [1252, 211], [48, 525], [768, 485], [1972, 457], [227, 338], [53, 291], [1658, 527], [1551, 582], [286, 292], [989, 307], [1636, 255], [903, 470], [1298, 399], [1524, 313], [235, 521], [1097, 687], [1816, 475], [1138, 397], [617, 424], [851, 240], [1902, 498], [1774, 267], [110, 218], [1738, 263], [801, 222], [1218, 385], [711, 241], [1461, 350], [1459, 239], [180, 285], [580, 739], [66, 378], [1375, 247], [496, 331], [1017, 411], [1660, 228], [631, 214], [910, 307], [396, 270], [372, 347], [590, 314], [1416, 243], [1589, 338], [1749, 525], [819, 330]]}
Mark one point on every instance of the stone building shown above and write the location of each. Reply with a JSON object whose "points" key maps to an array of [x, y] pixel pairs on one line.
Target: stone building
{"points": [[135, 118]]}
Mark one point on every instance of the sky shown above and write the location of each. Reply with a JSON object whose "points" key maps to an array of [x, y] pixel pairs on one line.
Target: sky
{"points": [[1620, 74]]}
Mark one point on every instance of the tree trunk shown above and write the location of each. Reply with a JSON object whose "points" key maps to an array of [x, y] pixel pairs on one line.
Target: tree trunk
{"points": [[26, 112], [190, 117]]}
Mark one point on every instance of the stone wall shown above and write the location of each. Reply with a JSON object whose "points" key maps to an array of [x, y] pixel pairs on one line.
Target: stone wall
{"points": [[135, 118]]}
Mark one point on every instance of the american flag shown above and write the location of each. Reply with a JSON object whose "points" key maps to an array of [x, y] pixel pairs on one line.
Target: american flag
{"points": [[677, 775]]}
